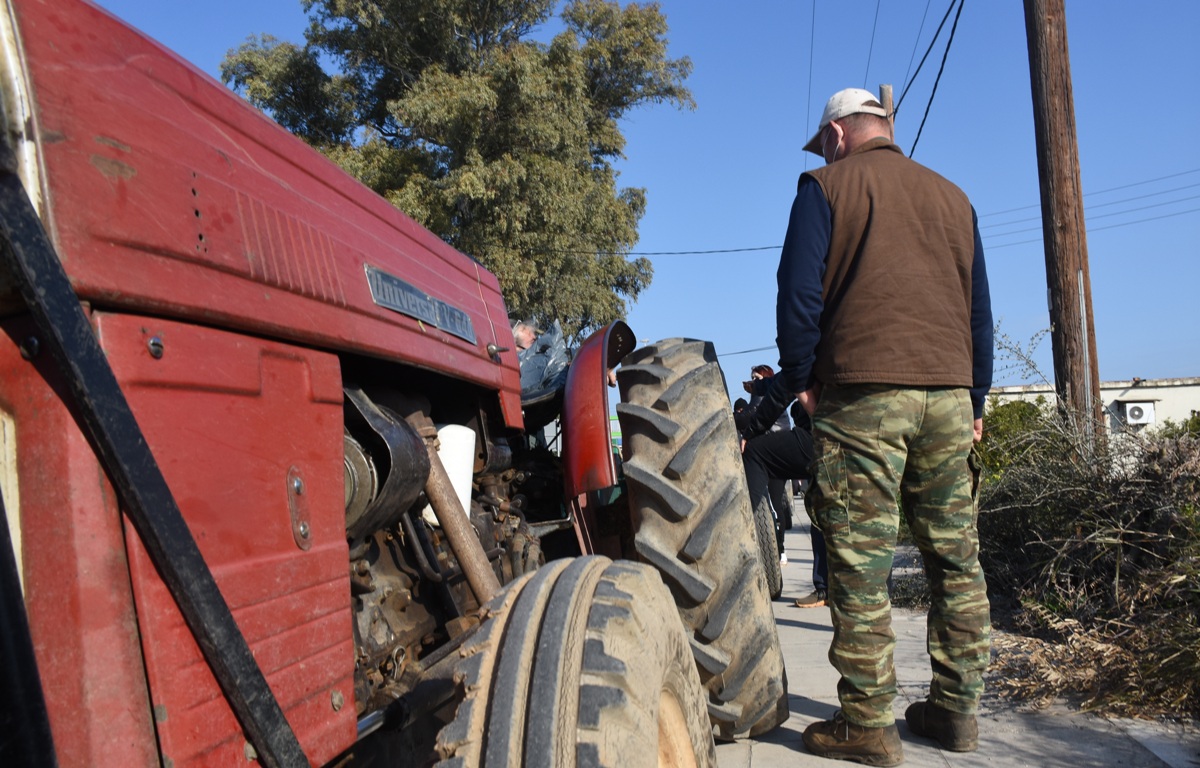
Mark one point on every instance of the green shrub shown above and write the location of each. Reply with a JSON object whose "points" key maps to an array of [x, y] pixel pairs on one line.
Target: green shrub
{"points": [[1190, 427]]}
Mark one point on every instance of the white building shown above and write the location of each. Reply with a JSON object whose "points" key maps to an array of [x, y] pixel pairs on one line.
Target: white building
{"points": [[1137, 403]]}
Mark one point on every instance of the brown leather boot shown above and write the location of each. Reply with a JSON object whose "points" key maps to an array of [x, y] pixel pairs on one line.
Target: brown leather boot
{"points": [[955, 732], [840, 739]]}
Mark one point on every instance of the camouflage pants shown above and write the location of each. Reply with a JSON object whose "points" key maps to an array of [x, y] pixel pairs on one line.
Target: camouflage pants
{"points": [[874, 444]]}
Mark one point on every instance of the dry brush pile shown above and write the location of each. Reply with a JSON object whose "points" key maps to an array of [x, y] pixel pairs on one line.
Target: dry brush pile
{"points": [[1093, 560]]}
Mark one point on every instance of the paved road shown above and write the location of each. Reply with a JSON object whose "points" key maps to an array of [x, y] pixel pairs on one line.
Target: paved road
{"points": [[1009, 736]]}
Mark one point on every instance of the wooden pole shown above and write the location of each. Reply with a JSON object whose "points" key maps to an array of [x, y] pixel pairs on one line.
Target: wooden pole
{"points": [[885, 98], [1072, 333]]}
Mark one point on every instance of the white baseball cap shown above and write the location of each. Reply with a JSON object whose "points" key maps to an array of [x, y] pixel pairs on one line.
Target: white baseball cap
{"points": [[845, 102]]}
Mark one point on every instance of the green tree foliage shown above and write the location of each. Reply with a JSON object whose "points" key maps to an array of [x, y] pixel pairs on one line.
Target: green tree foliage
{"points": [[502, 145]]}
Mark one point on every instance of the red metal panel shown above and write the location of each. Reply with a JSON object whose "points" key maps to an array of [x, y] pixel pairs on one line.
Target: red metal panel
{"points": [[170, 196], [75, 574], [588, 463], [230, 419], [587, 460]]}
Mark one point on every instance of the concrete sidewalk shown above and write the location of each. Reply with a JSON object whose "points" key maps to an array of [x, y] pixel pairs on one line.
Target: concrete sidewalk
{"points": [[1009, 735]]}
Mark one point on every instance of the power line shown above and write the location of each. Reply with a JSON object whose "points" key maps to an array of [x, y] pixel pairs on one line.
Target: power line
{"points": [[984, 215], [1105, 205], [1089, 217], [916, 43], [1142, 221], [928, 51], [996, 247], [1095, 229], [1140, 208], [1143, 208], [1143, 197], [1092, 208], [1097, 192], [745, 351], [812, 44], [938, 79], [682, 253], [1140, 183], [990, 247], [871, 48]]}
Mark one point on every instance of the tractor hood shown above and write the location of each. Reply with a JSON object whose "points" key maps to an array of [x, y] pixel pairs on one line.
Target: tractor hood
{"points": [[168, 195]]}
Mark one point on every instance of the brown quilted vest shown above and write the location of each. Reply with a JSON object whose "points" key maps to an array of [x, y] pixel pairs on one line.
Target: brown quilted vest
{"points": [[897, 286]]}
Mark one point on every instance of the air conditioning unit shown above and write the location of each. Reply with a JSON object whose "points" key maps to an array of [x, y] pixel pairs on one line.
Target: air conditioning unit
{"points": [[1139, 413]]}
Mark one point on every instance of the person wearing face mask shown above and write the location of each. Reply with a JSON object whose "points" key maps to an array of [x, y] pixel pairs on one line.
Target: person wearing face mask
{"points": [[885, 337]]}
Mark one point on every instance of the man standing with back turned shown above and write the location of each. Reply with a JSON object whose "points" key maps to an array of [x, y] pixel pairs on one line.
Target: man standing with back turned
{"points": [[885, 335]]}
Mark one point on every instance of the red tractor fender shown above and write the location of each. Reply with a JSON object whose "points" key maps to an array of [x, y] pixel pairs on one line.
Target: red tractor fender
{"points": [[589, 468]]}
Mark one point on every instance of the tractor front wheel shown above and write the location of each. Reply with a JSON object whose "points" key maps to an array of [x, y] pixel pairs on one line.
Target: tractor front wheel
{"points": [[580, 663]]}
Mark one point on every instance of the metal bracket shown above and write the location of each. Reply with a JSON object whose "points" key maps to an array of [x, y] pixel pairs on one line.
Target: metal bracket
{"points": [[298, 507]]}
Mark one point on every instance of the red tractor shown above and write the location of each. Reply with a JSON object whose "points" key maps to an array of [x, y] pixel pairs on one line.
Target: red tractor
{"points": [[269, 486]]}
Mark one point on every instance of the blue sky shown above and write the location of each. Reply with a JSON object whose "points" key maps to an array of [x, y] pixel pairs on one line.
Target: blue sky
{"points": [[722, 177]]}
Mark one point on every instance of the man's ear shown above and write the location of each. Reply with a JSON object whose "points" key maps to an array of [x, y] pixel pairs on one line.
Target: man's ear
{"points": [[835, 136], [839, 133]]}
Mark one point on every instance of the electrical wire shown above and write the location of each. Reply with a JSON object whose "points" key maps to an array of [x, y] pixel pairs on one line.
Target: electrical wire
{"points": [[928, 50], [1099, 229], [1101, 205], [990, 247], [1092, 217], [1005, 245], [812, 45], [1125, 223], [1009, 210], [1097, 192], [1142, 221], [997, 247], [744, 352], [871, 48], [929, 104], [982, 228], [938, 79], [917, 42], [681, 253]]}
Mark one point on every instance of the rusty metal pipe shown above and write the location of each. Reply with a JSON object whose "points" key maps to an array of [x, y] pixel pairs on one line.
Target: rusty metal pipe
{"points": [[457, 526]]}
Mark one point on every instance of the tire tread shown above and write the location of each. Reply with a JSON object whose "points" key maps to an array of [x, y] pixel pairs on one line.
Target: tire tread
{"points": [[693, 522]]}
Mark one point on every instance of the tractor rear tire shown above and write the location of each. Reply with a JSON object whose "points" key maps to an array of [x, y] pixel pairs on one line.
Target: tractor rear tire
{"points": [[579, 663], [693, 522], [768, 547]]}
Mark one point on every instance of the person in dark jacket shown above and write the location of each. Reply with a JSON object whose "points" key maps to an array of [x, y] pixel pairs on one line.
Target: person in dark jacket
{"points": [[777, 491], [884, 330], [771, 457]]}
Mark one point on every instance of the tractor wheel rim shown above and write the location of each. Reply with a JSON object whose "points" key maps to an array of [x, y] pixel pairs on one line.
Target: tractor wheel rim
{"points": [[675, 748]]}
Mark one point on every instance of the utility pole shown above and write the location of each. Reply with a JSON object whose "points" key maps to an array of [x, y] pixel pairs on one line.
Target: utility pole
{"points": [[1072, 333], [885, 98]]}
